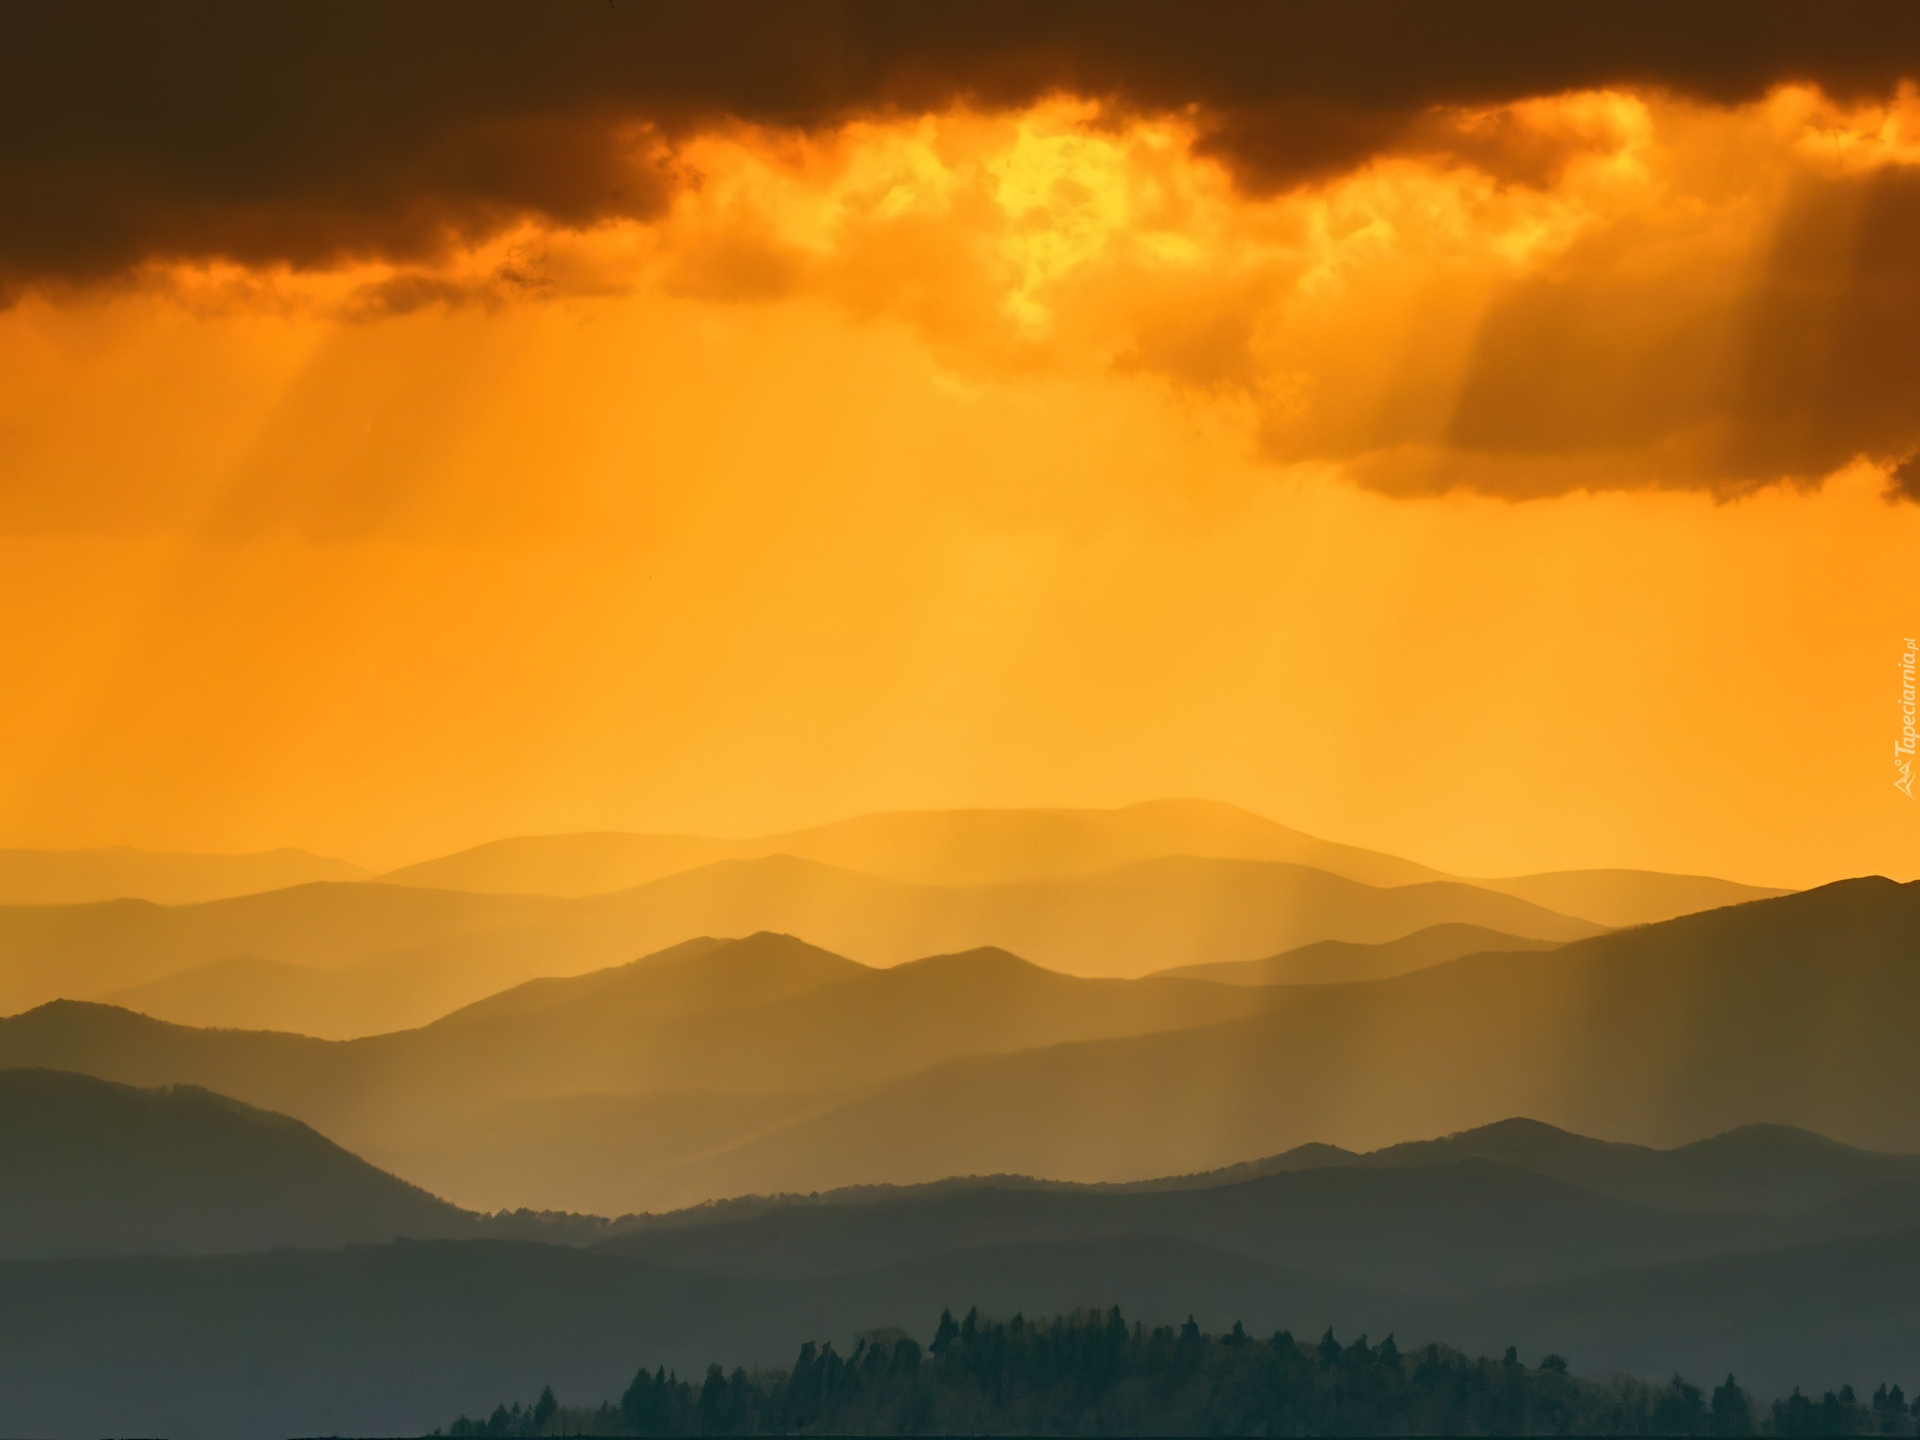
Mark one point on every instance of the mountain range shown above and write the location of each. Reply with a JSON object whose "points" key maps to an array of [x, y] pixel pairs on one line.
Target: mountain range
{"points": [[1779, 1010], [213, 1231], [1336, 962], [938, 847], [582, 1092], [1773, 1252], [346, 959], [1001, 847], [290, 941], [92, 1168], [391, 1339], [726, 1068], [88, 1167]]}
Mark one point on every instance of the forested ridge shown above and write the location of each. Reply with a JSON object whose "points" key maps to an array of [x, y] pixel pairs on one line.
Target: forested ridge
{"points": [[1092, 1373]]}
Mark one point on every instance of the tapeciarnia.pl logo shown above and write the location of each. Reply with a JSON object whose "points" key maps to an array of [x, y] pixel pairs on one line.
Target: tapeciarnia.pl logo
{"points": [[1903, 747]]}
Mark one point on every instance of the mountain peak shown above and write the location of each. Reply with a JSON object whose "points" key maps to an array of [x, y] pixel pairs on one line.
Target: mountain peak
{"points": [[982, 960], [694, 976], [95, 1167]]}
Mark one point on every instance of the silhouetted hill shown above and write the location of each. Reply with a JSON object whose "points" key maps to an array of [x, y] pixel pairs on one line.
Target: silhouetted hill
{"points": [[74, 877], [413, 954], [770, 1011], [245, 993], [1761, 1013], [1516, 1202], [591, 863], [1779, 1171], [1816, 1315], [365, 998], [1431, 1239], [1765, 1012], [1768, 1168], [392, 1339], [1464, 1225], [995, 847], [695, 976], [1628, 897], [88, 1167], [1777, 1167], [1122, 922], [931, 847], [581, 1093], [429, 938], [1335, 962], [93, 1168]]}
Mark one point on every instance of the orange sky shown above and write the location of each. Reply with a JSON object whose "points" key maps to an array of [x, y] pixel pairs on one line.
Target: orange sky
{"points": [[1009, 459]]}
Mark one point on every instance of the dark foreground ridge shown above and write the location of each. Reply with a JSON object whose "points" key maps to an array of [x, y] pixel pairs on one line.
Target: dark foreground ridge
{"points": [[1090, 1374]]}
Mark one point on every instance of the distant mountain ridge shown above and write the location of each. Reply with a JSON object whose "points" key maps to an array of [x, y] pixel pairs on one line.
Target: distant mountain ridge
{"points": [[537, 1095], [1339, 962], [922, 847], [88, 1167], [404, 955], [78, 877], [1628, 897], [1772, 1274], [1759, 1012], [990, 847], [1146, 888], [391, 1339], [1772, 1169], [773, 1065], [1440, 1227]]}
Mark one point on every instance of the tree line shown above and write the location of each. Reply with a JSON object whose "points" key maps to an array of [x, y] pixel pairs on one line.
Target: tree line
{"points": [[1092, 1373]]}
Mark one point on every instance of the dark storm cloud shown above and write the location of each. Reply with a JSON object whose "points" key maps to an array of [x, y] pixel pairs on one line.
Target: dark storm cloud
{"points": [[308, 132], [1789, 375], [1831, 336]]}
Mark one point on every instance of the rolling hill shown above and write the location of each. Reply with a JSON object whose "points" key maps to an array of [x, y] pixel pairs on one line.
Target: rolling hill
{"points": [[1336, 962], [77, 877], [406, 955], [85, 951], [392, 1339], [88, 1167], [1462, 1225], [576, 1093], [93, 1168], [733, 1069], [246, 993], [1759, 1168], [999, 847], [360, 999], [1742, 1252], [1627, 897], [286, 940], [925, 847], [759, 1011], [1765, 1012], [1492, 1206]]}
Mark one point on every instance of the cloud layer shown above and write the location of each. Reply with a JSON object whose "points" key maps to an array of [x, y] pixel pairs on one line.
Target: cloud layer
{"points": [[311, 132], [1699, 297], [1516, 249]]}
